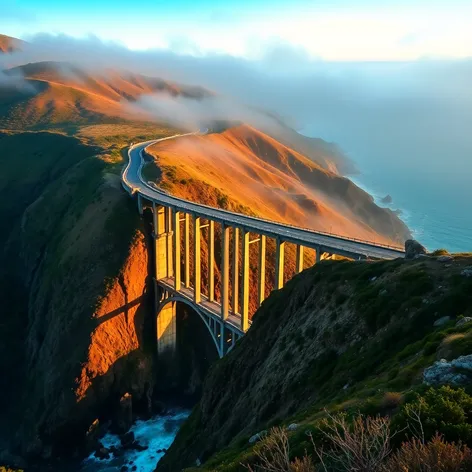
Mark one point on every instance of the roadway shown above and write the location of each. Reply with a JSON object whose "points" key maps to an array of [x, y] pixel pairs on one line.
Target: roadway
{"points": [[133, 182]]}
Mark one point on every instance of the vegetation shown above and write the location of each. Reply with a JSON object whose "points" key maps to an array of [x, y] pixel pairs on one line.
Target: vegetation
{"points": [[318, 346], [364, 444]]}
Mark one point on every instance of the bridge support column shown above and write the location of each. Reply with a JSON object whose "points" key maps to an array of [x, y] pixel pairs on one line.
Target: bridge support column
{"points": [[170, 243], [177, 265], [160, 242], [235, 270], [262, 270], [166, 329], [318, 254], [224, 271], [187, 249], [245, 283], [197, 280], [299, 261], [211, 260], [279, 263]]}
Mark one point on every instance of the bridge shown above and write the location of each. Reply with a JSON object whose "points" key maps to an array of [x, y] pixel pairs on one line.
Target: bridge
{"points": [[174, 218]]}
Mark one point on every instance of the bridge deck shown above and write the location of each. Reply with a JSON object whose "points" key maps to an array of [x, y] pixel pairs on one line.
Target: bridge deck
{"points": [[341, 245]]}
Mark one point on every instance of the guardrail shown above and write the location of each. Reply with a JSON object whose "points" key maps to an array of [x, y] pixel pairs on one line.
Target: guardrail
{"points": [[204, 207]]}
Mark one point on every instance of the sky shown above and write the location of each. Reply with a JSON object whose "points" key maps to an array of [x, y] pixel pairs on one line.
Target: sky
{"points": [[330, 30]]}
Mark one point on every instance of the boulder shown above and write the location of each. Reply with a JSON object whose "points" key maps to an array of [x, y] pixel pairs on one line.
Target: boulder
{"points": [[442, 321], [292, 427], [127, 439], [387, 199], [102, 452], [124, 415], [463, 321], [257, 437], [452, 373], [414, 249], [138, 447], [445, 258], [467, 272], [463, 362]]}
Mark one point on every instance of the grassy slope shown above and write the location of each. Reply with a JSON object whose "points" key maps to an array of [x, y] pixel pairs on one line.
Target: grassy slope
{"points": [[340, 335]]}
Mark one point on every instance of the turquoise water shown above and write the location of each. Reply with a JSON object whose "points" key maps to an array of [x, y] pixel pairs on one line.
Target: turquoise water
{"points": [[430, 182], [156, 434]]}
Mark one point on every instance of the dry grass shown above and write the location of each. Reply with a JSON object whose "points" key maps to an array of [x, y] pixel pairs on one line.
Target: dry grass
{"points": [[391, 400], [434, 456], [273, 455], [362, 445]]}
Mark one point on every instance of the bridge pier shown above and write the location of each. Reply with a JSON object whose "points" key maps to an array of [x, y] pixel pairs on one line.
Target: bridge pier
{"points": [[235, 270], [262, 270], [279, 264], [166, 328], [224, 271]]}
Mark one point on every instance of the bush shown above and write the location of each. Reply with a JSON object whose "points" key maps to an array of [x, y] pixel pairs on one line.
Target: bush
{"points": [[434, 456], [443, 410]]}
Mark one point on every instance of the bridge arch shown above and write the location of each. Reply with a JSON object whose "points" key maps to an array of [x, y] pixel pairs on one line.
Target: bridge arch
{"points": [[166, 324]]}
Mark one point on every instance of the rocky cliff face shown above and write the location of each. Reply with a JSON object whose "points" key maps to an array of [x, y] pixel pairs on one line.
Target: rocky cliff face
{"points": [[76, 256], [339, 335]]}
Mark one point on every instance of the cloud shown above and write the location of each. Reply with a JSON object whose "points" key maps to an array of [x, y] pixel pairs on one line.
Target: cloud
{"points": [[399, 110]]}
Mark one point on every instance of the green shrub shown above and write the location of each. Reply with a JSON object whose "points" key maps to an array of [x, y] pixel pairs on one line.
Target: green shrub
{"points": [[443, 410]]}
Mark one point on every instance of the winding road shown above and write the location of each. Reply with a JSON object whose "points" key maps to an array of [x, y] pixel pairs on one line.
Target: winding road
{"points": [[134, 183]]}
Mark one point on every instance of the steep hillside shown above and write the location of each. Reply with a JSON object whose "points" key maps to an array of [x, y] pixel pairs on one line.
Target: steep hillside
{"points": [[275, 182], [73, 273], [55, 94], [346, 336], [9, 44]]}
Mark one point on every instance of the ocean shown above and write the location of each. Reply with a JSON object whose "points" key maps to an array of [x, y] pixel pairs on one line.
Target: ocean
{"points": [[430, 184]]}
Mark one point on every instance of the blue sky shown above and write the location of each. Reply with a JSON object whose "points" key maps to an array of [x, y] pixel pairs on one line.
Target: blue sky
{"points": [[335, 30]]}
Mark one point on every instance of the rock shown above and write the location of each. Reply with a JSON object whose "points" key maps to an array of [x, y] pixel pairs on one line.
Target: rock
{"points": [[198, 462], [445, 258], [102, 453], [443, 372], [467, 272], [124, 416], [138, 447], [463, 362], [346, 386], [124, 469], [127, 439], [413, 249], [373, 279], [383, 292], [257, 437], [463, 321], [292, 427], [134, 467], [92, 435], [387, 199], [442, 321]]}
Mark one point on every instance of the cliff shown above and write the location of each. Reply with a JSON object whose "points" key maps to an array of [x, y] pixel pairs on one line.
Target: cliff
{"points": [[347, 336], [74, 268]]}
